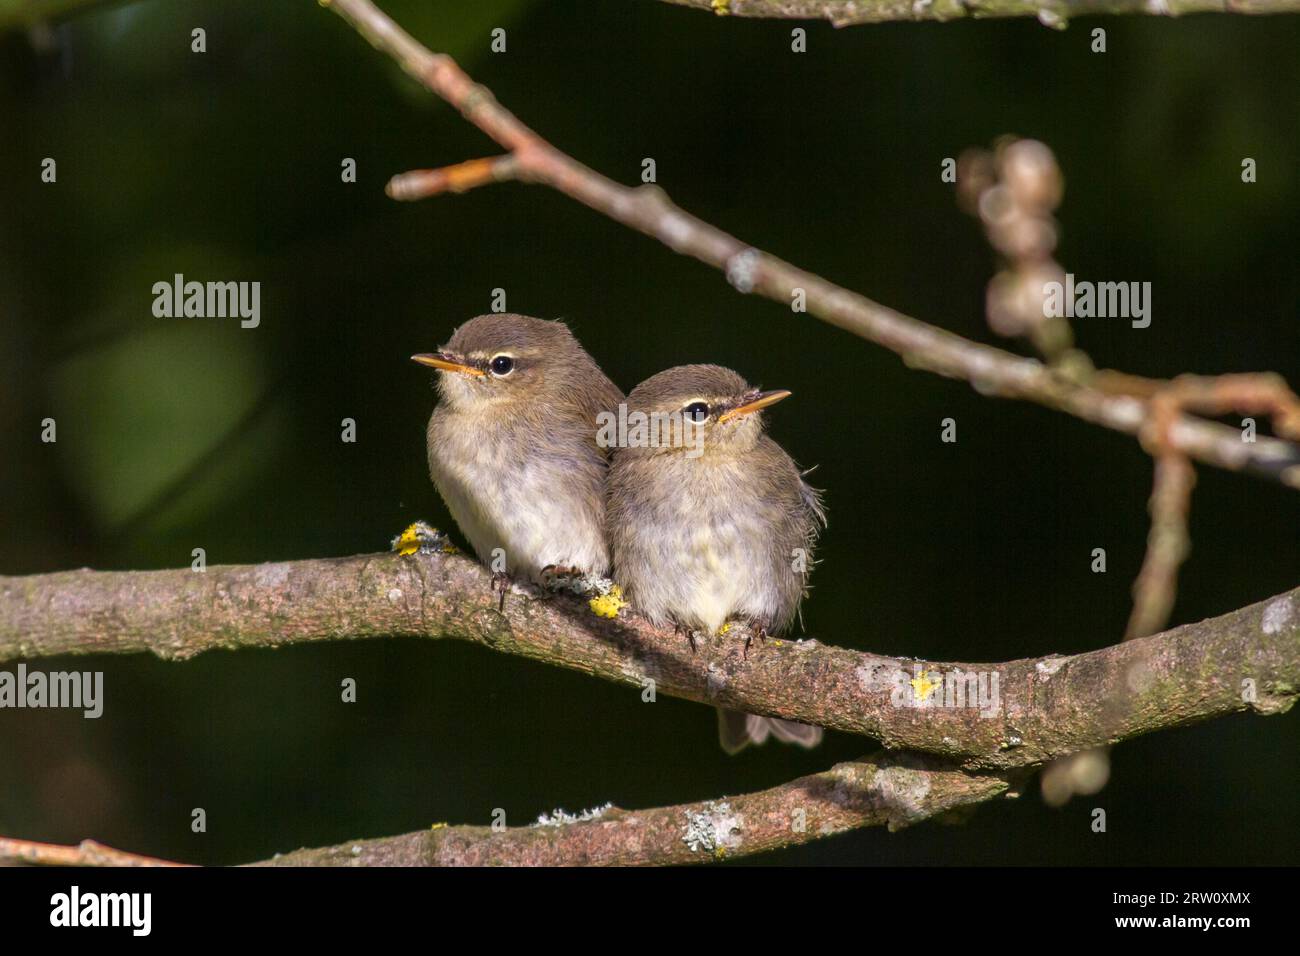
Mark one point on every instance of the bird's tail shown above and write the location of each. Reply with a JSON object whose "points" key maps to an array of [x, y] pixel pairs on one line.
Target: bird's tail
{"points": [[736, 731]]}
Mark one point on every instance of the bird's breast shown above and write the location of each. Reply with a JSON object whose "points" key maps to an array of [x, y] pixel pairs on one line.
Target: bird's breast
{"points": [[703, 549], [527, 505]]}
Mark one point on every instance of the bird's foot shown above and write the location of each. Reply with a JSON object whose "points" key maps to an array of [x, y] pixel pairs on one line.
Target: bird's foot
{"points": [[500, 583], [689, 632], [758, 628]]}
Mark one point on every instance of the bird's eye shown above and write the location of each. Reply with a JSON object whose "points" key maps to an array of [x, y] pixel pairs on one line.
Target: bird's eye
{"points": [[502, 365], [696, 411]]}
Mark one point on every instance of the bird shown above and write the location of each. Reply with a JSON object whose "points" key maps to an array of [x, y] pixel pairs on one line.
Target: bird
{"points": [[713, 523], [512, 446]]}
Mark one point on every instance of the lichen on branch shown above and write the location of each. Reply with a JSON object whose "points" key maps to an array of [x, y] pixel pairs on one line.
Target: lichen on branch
{"points": [[1039, 708]]}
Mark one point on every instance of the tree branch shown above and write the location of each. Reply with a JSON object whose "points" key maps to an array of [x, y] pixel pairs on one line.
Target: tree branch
{"points": [[1044, 707], [840, 13], [887, 791], [647, 209], [1053, 13], [85, 853], [894, 792]]}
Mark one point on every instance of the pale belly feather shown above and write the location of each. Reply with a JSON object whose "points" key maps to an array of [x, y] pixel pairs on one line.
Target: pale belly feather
{"points": [[537, 511], [714, 565]]}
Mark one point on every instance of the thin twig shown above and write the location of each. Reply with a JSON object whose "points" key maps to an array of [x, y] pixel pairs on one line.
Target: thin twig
{"points": [[423, 183], [85, 853], [1168, 542], [1155, 589], [1053, 13], [647, 209], [841, 13]]}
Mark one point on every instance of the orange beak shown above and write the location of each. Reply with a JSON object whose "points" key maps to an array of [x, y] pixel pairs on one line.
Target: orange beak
{"points": [[440, 361], [764, 399]]}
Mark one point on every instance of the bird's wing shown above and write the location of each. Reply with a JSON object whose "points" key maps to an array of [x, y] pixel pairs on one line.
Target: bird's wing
{"points": [[812, 502]]}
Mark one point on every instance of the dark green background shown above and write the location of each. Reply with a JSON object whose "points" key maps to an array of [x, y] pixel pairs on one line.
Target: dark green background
{"points": [[176, 434]]}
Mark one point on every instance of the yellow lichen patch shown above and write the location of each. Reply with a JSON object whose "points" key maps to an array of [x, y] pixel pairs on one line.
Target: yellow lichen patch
{"points": [[725, 628], [922, 685], [408, 542], [721, 7], [438, 826], [422, 538], [609, 604]]}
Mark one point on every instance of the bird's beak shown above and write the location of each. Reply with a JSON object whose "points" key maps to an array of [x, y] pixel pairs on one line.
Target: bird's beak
{"points": [[440, 361], [763, 400]]}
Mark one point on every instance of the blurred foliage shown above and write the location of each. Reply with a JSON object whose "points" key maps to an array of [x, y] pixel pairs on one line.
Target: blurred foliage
{"points": [[175, 434]]}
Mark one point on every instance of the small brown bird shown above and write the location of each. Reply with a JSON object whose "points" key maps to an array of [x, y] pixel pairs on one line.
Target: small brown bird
{"points": [[512, 445], [714, 523]]}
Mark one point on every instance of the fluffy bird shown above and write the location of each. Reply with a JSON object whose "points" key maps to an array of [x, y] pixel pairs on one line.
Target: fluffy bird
{"points": [[512, 445], [713, 521]]}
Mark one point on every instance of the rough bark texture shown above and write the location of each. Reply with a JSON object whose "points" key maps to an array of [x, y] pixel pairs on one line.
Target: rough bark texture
{"points": [[843, 13], [894, 792], [1246, 660]]}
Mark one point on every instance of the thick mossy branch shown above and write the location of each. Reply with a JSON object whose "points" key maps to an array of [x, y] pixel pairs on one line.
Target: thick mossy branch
{"points": [[1043, 707]]}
